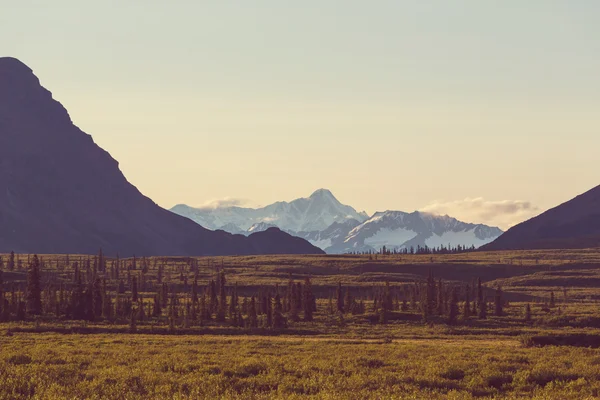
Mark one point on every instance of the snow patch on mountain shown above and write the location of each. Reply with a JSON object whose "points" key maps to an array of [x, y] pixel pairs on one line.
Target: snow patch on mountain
{"points": [[390, 237], [452, 239]]}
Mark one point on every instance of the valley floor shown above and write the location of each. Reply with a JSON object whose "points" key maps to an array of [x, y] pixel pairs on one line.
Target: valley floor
{"points": [[395, 361]]}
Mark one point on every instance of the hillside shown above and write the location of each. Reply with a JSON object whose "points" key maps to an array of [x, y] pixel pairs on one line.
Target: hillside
{"points": [[571, 225], [62, 193]]}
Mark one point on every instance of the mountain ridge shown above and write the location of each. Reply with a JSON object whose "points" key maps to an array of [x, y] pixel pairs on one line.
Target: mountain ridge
{"points": [[572, 224], [393, 229], [62, 193], [316, 212]]}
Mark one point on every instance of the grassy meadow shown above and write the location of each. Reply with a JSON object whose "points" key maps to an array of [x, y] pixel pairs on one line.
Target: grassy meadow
{"points": [[554, 353]]}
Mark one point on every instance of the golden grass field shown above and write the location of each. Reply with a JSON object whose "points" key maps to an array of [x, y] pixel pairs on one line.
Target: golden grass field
{"points": [[333, 357]]}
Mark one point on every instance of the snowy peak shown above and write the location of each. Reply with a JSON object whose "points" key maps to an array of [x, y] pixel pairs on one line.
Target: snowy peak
{"points": [[337, 228], [306, 214], [322, 193], [398, 230]]}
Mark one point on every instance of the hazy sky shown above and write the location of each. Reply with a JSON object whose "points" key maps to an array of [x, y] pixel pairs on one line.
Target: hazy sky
{"points": [[489, 111]]}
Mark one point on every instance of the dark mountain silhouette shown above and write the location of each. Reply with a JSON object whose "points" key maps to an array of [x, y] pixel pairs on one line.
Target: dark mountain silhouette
{"points": [[571, 225], [62, 193]]}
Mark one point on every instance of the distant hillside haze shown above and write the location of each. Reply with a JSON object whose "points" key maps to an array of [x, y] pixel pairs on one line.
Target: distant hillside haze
{"points": [[571, 225], [337, 228], [62, 193]]}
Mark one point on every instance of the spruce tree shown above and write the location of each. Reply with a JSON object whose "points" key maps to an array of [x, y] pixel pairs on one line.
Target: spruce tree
{"points": [[132, 321], [278, 319], [294, 306], [11, 261], [156, 306], [348, 302], [195, 291], [498, 302], [308, 301], [34, 290], [252, 319], [467, 305], [440, 298], [269, 320], [483, 309], [527, 312], [552, 301], [429, 305], [340, 298], [479, 293], [134, 289], [453, 311]]}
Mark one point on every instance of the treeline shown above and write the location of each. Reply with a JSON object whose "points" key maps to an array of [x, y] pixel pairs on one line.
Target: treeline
{"points": [[418, 250], [100, 293]]}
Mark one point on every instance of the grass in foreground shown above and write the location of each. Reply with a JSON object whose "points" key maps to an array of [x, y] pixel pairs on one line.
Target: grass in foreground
{"points": [[53, 366]]}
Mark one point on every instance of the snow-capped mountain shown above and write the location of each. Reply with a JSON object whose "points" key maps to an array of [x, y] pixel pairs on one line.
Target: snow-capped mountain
{"points": [[398, 230], [314, 213], [336, 228]]}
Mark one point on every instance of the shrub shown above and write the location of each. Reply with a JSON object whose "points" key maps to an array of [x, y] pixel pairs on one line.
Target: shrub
{"points": [[453, 373], [19, 359]]}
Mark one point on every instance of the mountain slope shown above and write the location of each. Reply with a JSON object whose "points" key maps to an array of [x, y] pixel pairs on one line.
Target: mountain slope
{"points": [[61, 193], [574, 224], [314, 213], [398, 230]]}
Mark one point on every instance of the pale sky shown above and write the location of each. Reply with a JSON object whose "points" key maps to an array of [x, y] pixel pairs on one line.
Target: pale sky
{"points": [[489, 111]]}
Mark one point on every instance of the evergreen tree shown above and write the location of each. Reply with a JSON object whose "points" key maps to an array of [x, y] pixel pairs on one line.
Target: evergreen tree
{"points": [[132, 321], [156, 306], [467, 306], [453, 311], [159, 274], [429, 306], [107, 307], [340, 298], [269, 320], [479, 293], [498, 302], [34, 290], [134, 289], [483, 309], [293, 305], [252, 319], [195, 291], [527, 312], [552, 301], [440, 298], [278, 319], [11, 261], [308, 300], [348, 302], [141, 315]]}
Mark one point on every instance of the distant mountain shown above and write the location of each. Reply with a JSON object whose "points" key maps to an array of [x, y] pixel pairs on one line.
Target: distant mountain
{"points": [[336, 228], [313, 213], [61, 193], [398, 230], [571, 225]]}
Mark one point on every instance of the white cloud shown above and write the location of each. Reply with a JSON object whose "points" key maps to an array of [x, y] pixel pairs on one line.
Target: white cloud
{"points": [[225, 202], [501, 213]]}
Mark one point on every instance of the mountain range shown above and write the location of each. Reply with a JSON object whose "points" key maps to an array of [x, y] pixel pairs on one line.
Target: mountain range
{"points": [[61, 193], [337, 228], [313, 213]]}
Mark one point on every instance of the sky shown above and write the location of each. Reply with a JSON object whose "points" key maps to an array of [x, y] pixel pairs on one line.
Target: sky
{"points": [[487, 111]]}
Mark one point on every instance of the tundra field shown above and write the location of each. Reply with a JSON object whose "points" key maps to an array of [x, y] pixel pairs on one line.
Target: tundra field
{"points": [[521, 324]]}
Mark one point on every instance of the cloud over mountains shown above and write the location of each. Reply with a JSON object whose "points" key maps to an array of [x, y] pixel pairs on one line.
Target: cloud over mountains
{"points": [[501, 213]]}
